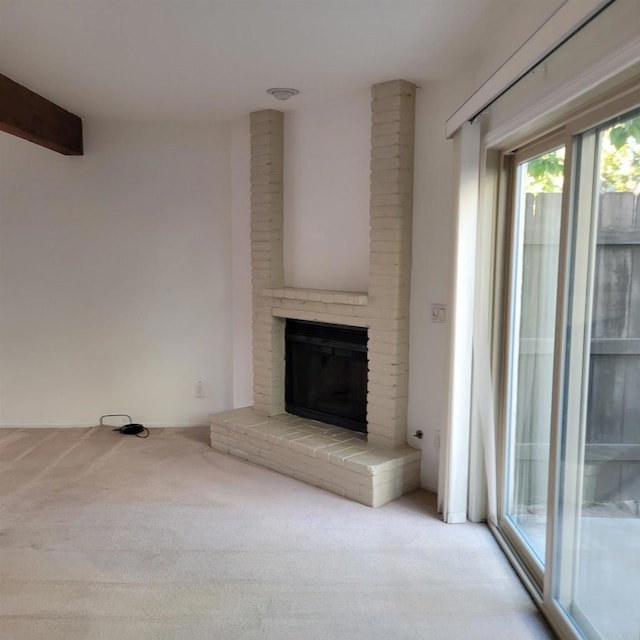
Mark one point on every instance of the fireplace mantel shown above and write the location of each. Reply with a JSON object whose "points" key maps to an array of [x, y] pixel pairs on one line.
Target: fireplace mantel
{"points": [[319, 305], [318, 295]]}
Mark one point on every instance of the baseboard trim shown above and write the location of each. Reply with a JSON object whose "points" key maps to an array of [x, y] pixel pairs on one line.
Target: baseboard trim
{"points": [[52, 425]]}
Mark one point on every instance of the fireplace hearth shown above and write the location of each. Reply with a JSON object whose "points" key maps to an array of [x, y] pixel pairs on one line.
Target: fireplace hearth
{"points": [[326, 373]]}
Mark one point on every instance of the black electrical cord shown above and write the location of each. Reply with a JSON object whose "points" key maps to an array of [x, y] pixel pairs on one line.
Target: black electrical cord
{"points": [[133, 430], [130, 429]]}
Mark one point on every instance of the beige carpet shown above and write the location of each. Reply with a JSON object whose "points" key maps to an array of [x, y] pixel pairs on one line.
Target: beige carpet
{"points": [[112, 537]]}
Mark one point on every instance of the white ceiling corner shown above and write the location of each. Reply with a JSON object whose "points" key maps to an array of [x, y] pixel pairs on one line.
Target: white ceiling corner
{"points": [[214, 59]]}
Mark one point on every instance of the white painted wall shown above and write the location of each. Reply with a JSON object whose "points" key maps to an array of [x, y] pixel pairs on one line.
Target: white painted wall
{"points": [[432, 265], [326, 194], [241, 303], [115, 277], [510, 33]]}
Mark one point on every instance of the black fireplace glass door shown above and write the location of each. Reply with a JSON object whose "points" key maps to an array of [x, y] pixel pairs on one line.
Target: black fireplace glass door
{"points": [[326, 373]]}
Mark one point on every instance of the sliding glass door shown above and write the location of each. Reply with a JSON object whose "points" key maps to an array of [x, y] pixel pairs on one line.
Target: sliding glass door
{"points": [[598, 534], [570, 487], [536, 242]]}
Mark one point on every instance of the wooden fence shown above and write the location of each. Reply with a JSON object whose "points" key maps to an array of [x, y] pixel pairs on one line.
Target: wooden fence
{"points": [[612, 455], [613, 413]]}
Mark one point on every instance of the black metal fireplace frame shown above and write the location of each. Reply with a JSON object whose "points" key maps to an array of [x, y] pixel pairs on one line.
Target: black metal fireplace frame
{"points": [[341, 340]]}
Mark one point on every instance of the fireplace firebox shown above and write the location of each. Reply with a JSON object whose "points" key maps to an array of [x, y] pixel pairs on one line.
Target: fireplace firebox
{"points": [[326, 373]]}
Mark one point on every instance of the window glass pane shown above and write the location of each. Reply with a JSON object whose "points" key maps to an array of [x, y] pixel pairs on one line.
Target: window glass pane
{"points": [[600, 510], [533, 313]]}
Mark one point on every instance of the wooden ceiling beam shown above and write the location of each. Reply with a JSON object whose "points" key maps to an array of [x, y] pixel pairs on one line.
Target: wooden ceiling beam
{"points": [[27, 115]]}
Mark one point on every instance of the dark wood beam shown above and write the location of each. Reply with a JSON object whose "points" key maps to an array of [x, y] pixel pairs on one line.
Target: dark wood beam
{"points": [[27, 115]]}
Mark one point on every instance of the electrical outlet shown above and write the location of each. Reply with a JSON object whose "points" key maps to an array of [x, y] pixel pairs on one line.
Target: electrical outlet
{"points": [[199, 389], [438, 312]]}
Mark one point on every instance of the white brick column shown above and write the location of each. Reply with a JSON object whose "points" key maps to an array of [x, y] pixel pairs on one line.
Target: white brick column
{"points": [[267, 264], [391, 208]]}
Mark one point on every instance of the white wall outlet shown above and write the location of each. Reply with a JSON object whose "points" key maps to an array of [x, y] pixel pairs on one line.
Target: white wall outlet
{"points": [[438, 312], [199, 389]]}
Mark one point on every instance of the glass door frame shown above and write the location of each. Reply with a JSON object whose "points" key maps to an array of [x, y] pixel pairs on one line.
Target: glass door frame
{"points": [[577, 131], [530, 563]]}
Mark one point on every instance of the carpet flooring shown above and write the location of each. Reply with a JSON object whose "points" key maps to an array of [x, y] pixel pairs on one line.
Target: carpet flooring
{"points": [[112, 537]]}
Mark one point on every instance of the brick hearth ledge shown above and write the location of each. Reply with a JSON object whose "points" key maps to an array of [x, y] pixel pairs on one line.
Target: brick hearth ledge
{"points": [[336, 459]]}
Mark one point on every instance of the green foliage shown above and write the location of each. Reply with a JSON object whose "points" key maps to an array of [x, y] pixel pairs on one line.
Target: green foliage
{"points": [[619, 162], [543, 166], [624, 133], [620, 157], [544, 173]]}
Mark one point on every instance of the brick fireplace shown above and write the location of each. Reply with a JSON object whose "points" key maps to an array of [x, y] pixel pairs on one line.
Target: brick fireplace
{"points": [[378, 467]]}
